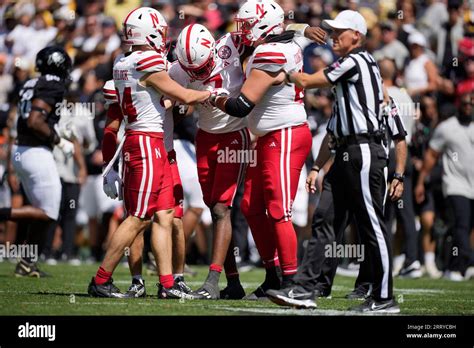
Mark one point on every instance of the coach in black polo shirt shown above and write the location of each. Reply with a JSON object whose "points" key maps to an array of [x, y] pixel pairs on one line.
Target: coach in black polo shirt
{"points": [[358, 176]]}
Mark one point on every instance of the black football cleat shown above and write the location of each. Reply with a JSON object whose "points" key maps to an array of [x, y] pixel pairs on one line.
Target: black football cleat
{"points": [[29, 269], [179, 281], [108, 289], [260, 293], [362, 292], [322, 293], [372, 306], [294, 296], [136, 290], [232, 292], [173, 293]]}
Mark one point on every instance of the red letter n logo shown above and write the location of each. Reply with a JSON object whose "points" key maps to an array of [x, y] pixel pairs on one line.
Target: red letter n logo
{"points": [[154, 19], [206, 43], [260, 10]]}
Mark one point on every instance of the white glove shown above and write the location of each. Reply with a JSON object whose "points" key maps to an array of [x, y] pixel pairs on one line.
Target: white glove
{"points": [[65, 130], [215, 92], [113, 184], [66, 147]]}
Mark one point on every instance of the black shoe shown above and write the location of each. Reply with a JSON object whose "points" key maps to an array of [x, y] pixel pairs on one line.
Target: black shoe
{"points": [[362, 292], [179, 281], [137, 289], [372, 306], [207, 291], [108, 289], [233, 292], [29, 269], [173, 293], [260, 293], [295, 296], [322, 293]]}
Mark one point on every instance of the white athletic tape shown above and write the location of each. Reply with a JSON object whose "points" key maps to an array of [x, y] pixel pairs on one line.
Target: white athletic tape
{"points": [[112, 161]]}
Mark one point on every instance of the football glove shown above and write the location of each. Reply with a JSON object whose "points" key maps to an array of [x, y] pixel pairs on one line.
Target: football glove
{"points": [[113, 184], [65, 130], [66, 147]]}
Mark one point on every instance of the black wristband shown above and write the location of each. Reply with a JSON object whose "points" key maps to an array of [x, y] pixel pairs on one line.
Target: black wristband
{"points": [[315, 169], [399, 177]]}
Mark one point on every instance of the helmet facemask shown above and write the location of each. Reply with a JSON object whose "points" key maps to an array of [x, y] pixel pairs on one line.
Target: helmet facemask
{"points": [[158, 41], [201, 72], [258, 19], [244, 30]]}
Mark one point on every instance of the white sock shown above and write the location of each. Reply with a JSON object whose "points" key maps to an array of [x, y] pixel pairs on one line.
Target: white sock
{"points": [[178, 275], [429, 257]]}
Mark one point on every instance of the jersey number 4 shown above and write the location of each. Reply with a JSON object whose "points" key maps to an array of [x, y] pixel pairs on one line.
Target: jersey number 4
{"points": [[126, 103]]}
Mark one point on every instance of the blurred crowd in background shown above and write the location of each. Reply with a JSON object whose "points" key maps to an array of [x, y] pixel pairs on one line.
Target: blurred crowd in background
{"points": [[427, 47]]}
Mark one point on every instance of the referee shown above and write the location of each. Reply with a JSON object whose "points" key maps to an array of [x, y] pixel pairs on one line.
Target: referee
{"points": [[356, 131]]}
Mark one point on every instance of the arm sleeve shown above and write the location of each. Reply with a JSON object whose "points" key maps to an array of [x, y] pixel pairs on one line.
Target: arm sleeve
{"points": [[299, 38], [109, 142], [341, 71], [298, 28]]}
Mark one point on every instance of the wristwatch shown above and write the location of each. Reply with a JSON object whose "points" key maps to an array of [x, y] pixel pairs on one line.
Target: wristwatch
{"points": [[400, 177]]}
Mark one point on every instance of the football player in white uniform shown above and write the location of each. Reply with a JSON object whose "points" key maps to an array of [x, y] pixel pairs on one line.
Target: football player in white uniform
{"points": [[141, 84], [114, 114], [203, 64], [276, 114]]}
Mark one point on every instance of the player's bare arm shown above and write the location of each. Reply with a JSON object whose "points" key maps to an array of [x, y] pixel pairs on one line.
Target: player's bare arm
{"points": [[315, 34], [162, 82], [304, 80]]}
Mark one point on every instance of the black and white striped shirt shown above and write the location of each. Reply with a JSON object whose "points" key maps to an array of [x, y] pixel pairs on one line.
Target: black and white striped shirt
{"points": [[358, 94]]}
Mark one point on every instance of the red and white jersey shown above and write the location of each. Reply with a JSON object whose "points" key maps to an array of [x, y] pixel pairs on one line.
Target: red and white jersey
{"points": [[227, 74], [142, 107], [282, 106], [110, 94]]}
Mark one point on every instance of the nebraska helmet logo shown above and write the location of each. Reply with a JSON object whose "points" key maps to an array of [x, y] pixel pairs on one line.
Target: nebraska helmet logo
{"points": [[56, 58], [224, 52], [154, 19], [206, 43], [260, 10]]}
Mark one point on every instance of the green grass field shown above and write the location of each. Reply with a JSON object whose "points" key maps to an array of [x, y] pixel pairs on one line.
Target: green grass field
{"points": [[65, 293]]}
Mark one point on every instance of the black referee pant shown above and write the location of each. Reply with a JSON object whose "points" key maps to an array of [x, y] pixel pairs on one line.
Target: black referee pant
{"points": [[404, 211], [358, 182]]}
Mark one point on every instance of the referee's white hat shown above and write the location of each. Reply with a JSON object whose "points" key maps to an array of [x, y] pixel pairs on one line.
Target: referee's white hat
{"points": [[347, 19]]}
